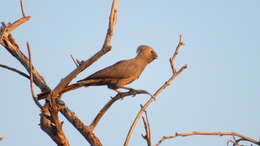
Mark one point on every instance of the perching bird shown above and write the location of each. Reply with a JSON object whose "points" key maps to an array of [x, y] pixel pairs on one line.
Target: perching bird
{"points": [[117, 75]]}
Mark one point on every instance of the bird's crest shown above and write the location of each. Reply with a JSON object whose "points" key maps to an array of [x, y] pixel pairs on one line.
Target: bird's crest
{"points": [[141, 48]]}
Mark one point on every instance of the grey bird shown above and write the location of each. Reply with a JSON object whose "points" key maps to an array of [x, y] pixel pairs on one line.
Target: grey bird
{"points": [[117, 75]]}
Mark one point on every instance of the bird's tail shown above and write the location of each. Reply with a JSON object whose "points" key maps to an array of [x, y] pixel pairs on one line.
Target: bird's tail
{"points": [[66, 89]]}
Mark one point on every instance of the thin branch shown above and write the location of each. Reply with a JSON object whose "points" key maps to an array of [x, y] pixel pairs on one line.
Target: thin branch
{"points": [[245, 138], [106, 48], [34, 96], [148, 136], [22, 8], [157, 93], [76, 61], [15, 70], [105, 108]]}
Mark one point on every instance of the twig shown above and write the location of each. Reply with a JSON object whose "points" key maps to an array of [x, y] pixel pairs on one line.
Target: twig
{"points": [[245, 138], [31, 77], [76, 61], [106, 48], [15, 70], [148, 136], [157, 93], [22, 8], [105, 108]]}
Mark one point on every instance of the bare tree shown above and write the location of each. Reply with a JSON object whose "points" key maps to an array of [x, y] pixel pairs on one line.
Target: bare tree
{"points": [[49, 119]]}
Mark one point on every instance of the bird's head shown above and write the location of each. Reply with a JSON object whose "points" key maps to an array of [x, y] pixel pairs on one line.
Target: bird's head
{"points": [[146, 52]]}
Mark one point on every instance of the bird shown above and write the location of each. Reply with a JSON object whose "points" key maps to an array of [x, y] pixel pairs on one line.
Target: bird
{"points": [[118, 75]]}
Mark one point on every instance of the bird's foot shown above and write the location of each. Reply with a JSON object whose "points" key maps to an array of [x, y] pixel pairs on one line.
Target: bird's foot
{"points": [[119, 93], [137, 91]]}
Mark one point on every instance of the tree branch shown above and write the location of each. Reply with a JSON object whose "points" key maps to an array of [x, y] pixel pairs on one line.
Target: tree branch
{"points": [[157, 93], [148, 136], [242, 137], [105, 108], [15, 70], [31, 78], [50, 124], [106, 48], [84, 130], [22, 9], [12, 47]]}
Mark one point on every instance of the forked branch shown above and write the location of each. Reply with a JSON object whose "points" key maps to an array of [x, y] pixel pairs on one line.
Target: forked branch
{"points": [[84, 64], [241, 137], [102, 112], [175, 73]]}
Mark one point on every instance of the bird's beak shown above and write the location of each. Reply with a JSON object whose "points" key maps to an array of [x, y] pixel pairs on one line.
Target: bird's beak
{"points": [[155, 55]]}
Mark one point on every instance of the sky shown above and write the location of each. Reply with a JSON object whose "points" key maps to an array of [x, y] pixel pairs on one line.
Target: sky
{"points": [[218, 92]]}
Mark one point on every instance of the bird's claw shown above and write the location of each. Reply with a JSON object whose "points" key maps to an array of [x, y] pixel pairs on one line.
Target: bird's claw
{"points": [[133, 92]]}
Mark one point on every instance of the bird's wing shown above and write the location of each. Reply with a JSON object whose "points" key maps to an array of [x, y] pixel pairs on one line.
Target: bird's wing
{"points": [[119, 70]]}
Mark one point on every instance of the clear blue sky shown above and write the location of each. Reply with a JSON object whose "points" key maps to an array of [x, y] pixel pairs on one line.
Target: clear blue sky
{"points": [[218, 92]]}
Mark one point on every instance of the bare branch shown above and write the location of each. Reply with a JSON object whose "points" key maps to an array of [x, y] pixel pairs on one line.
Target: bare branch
{"points": [[51, 126], [76, 61], [157, 93], [106, 48], [148, 136], [102, 112], [245, 138], [8, 29], [12, 47], [111, 24], [49, 117], [22, 8], [85, 131], [15, 70], [34, 96]]}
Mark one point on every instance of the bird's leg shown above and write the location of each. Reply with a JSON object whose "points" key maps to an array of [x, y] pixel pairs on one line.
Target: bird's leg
{"points": [[119, 93]]}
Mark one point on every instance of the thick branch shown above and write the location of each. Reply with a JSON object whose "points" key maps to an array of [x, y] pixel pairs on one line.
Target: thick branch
{"points": [[84, 130], [51, 126], [242, 137], [49, 116], [157, 93]]}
